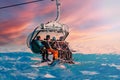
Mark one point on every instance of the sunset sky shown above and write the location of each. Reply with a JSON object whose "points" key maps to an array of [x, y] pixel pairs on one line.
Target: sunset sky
{"points": [[94, 24]]}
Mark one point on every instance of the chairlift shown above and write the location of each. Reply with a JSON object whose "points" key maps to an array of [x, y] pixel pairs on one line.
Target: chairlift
{"points": [[53, 28]]}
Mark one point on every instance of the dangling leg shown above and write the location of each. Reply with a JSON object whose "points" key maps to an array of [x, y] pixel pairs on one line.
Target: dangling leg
{"points": [[46, 52], [43, 57]]}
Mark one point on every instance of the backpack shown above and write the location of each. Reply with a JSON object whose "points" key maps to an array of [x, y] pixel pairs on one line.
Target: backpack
{"points": [[35, 47]]}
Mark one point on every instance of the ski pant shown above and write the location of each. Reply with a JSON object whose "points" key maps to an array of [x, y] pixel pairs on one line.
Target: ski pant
{"points": [[55, 53]]}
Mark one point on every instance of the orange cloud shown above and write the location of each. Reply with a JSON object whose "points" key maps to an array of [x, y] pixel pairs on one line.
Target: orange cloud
{"points": [[89, 26], [13, 27]]}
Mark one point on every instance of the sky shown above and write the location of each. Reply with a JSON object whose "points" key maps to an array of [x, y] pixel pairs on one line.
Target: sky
{"points": [[94, 24]]}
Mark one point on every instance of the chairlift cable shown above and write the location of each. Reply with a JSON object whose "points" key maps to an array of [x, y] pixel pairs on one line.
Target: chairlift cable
{"points": [[58, 10], [24, 3]]}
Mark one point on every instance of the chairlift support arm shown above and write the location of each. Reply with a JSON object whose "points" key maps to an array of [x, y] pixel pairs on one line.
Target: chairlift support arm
{"points": [[58, 10]]}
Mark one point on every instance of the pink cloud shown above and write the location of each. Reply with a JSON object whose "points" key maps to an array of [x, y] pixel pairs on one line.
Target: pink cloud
{"points": [[13, 27], [87, 21]]}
